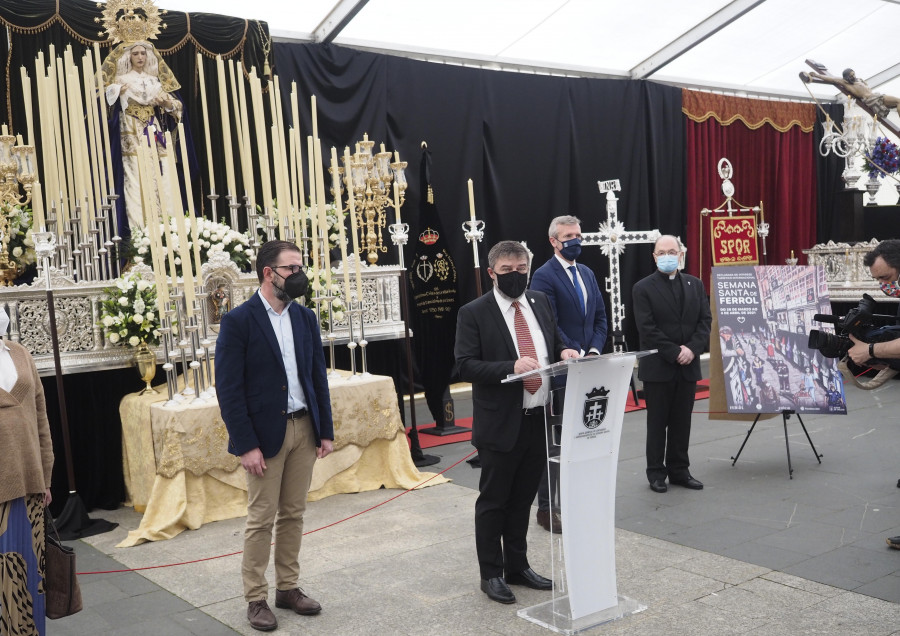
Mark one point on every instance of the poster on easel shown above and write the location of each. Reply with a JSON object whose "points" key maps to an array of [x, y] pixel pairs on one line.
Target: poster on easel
{"points": [[765, 314]]}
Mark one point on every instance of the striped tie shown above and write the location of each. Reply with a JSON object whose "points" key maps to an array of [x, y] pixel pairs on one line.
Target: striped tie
{"points": [[526, 347], [578, 293]]}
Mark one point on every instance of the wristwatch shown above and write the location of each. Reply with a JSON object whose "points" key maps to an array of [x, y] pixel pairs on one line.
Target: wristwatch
{"points": [[871, 350]]}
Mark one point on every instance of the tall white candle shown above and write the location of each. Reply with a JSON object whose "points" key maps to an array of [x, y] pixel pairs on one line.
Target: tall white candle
{"points": [[354, 230], [338, 204], [201, 76]]}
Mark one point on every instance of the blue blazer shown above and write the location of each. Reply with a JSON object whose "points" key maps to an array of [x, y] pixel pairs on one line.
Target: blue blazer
{"points": [[251, 382], [581, 331]]}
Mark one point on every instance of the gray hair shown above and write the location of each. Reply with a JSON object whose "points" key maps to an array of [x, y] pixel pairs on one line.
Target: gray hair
{"points": [[671, 236], [567, 219], [505, 249]]}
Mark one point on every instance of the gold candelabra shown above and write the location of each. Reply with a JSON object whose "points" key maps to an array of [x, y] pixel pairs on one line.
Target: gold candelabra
{"points": [[16, 169], [372, 176]]}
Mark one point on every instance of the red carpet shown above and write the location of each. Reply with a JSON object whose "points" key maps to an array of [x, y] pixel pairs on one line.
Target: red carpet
{"points": [[430, 441]]}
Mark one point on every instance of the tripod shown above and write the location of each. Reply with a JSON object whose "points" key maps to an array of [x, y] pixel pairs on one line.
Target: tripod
{"points": [[785, 415]]}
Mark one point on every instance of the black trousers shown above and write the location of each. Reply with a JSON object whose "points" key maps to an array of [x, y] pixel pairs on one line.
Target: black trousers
{"points": [[669, 407], [509, 482]]}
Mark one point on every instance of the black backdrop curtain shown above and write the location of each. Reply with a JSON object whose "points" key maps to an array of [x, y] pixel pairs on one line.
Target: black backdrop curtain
{"points": [[534, 145], [829, 225]]}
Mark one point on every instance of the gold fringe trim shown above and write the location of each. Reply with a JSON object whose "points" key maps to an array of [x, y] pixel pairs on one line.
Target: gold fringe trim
{"points": [[751, 126]]}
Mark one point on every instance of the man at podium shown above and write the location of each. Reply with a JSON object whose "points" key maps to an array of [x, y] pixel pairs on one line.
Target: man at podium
{"points": [[508, 330]]}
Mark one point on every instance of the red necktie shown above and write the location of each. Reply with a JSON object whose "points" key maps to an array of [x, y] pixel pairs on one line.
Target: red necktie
{"points": [[526, 347]]}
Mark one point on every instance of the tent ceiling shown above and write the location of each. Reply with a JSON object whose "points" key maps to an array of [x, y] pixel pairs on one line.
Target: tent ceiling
{"points": [[745, 46]]}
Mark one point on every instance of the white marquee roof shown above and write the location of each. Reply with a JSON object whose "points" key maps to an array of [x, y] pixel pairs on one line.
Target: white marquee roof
{"points": [[755, 47]]}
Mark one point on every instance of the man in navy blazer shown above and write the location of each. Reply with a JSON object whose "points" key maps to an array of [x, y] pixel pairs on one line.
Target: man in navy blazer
{"points": [[508, 330], [575, 297], [272, 387]]}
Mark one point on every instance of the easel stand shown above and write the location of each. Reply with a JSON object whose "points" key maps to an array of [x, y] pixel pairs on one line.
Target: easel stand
{"points": [[785, 415]]}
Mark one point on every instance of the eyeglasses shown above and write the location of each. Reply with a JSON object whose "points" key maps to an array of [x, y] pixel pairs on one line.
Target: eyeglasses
{"points": [[669, 253], [294, 268]]}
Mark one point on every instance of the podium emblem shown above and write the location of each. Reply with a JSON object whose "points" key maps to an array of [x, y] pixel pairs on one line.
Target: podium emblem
{"points": [[595, 408]]}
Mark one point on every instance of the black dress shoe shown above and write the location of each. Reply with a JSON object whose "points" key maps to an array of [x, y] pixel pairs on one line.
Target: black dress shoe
{"points": [[530, 578], [688, 482], [658, 485], [497, 590]]}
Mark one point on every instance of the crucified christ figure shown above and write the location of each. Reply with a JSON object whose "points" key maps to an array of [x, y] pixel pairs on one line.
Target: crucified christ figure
{"points": [[849, 84]]}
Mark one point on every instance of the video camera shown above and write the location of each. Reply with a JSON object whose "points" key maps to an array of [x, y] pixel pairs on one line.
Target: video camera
{"points": [[861, 322]]}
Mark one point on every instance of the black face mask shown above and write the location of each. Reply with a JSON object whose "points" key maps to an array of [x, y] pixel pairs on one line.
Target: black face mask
{"points": [[295, 286], [512, 284]]}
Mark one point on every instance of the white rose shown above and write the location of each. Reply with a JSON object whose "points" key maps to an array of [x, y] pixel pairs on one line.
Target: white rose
{"points": [[150, 316], [248, 252], [138, 318], [178, 260], [113, 337], [139, 306], [334, 237], [145, 242], [17, 252], [205, 233], [27, 240], [142, 285], [123, 301], [339, 316], [227, 239], [205, 243], [123, 332], [138, 259], [142, 250], [108, 321], [134, 341]]}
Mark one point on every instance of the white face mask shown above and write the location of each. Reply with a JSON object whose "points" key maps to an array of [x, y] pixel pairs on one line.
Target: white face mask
{"points": [[4, 321]]}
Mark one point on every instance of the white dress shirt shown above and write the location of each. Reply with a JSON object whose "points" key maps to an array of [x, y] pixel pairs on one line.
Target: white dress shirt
{"points": [[8, 373], [281, 324]]}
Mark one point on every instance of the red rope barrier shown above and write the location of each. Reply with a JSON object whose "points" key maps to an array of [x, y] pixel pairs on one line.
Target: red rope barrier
{"points": [[330, 525]]}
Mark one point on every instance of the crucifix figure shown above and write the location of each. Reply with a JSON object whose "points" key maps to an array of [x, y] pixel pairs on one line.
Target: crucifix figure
{"points": [[612, 239], [876, 104]]}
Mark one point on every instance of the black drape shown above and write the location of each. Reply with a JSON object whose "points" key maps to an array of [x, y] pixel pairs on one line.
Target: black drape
{"points": [[829, 224], [534, 145]]}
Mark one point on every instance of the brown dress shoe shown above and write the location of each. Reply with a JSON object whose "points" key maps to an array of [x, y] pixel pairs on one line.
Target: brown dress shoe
{"points": [[296, 600], [261, 617], [550, 523]]}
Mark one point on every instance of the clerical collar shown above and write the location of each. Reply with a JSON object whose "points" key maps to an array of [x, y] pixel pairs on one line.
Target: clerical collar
{"points": [[668, 276]]}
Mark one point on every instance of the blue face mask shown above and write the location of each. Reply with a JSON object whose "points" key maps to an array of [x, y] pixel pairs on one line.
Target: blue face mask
{"points": [[666, 263], [571, 249]]}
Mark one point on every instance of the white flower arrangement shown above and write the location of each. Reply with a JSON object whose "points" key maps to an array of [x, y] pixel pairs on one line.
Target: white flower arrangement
{"points": [[20, 246], [213, 237], [127, 312]]}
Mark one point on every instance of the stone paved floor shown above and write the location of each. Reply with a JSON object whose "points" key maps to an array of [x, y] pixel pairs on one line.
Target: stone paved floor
{"points": [[753, 553]]}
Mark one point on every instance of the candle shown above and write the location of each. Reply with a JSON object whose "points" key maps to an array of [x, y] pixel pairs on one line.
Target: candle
{"points": [[296, 201], [471, 204], [37, 221], [235, 106], [323, 218], [281, 197], [183, 250], [313, 210], [156, 252], [351, 201], [262, 146], [792, 253], [345, 266], [295, 115], [104, 126], [246, 162], [185, 166], [226, 127], [26, 93], [156, 180], [201, 76], [87, 63]]}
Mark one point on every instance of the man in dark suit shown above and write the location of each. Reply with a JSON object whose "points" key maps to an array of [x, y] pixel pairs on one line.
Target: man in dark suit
{"points": [[507, 331], [273, 393], [672, 314], [578, 306]]}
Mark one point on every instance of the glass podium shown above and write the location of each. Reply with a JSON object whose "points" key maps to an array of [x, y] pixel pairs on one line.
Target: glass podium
{"points": [[587, 428]]}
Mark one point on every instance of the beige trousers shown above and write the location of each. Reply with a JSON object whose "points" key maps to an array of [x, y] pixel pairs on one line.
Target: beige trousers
{"points": [[278, 498]]}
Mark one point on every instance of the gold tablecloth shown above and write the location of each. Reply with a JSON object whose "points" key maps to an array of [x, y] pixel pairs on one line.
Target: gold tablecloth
{"points": [[179, 474]]}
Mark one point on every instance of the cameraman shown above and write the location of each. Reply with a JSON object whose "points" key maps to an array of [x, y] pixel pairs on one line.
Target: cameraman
{"points": [[884, 265]]}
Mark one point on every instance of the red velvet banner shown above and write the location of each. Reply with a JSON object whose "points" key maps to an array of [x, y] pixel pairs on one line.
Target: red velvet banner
{"points": [[733, 240]]}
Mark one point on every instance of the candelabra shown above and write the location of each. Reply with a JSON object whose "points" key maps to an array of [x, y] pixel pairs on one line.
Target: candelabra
{"points": [[372, 176], [856, 138], [16, 168]]}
